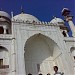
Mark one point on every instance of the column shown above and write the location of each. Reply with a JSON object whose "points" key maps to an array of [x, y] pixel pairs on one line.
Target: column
{"points": [[71, 24], [4, 29], [13, 53], [13, 59], [74, 67], [66, 33], [20, 54]]}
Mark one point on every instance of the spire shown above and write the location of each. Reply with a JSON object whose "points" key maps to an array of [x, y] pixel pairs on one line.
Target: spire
{"points": [[22, 10], [12, 15], [53, 16]]}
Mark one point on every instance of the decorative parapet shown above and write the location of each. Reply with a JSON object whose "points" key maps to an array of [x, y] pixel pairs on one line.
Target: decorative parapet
{"points": [[4, 66], [6, 36], [69, 39], [34, 23]]}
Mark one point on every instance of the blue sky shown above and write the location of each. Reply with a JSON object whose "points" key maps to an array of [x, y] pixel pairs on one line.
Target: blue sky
{"points": [[44, 10]]}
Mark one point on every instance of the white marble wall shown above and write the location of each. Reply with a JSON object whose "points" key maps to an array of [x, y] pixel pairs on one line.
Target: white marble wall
{"points": [[15, 43], [22, 32]]}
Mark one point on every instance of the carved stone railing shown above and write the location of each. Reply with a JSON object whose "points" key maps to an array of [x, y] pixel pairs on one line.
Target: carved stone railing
{"points": [[4, 69], [69, 39], [6, 36]]}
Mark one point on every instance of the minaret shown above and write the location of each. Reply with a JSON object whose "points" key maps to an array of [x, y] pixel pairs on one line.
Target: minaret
{"points": [[68, 18]]}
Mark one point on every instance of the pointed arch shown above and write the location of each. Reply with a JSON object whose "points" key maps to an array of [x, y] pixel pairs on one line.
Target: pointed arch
{"points": [[39, 50], [46, 36], [4, 57]]}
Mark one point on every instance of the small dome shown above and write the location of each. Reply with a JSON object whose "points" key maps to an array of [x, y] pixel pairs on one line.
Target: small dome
{"points": [[26, 17], [4, 14], [57, 21]]}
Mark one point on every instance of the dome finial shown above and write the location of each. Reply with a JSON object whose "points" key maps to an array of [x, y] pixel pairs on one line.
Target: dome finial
{"points": [[22, 10], [54, 17]]}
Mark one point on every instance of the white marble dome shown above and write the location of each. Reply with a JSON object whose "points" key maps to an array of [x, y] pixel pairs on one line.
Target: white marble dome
{"points": [[57, 21], [4, 14], [26, 17]]}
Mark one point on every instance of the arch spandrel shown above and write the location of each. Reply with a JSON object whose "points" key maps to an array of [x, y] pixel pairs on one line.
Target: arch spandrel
{"points": [[46, 35], [47, 38]]}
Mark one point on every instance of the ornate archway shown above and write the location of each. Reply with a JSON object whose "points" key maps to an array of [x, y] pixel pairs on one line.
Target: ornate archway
{"points": [[72, 50], [4, 60], [41, 54], [4, 55]]}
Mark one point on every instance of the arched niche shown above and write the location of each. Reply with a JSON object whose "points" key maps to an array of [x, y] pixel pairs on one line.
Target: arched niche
{"points": [[4, 57], [72, 49], [41, 54]]}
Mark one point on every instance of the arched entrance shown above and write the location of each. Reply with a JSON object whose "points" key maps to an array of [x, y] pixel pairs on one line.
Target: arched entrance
{"points": [[72, 50], [41, 54], [4, 61], [4, 56]]}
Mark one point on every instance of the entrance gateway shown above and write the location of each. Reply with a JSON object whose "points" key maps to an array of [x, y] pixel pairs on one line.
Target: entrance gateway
{"points": [[41, 54]]}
